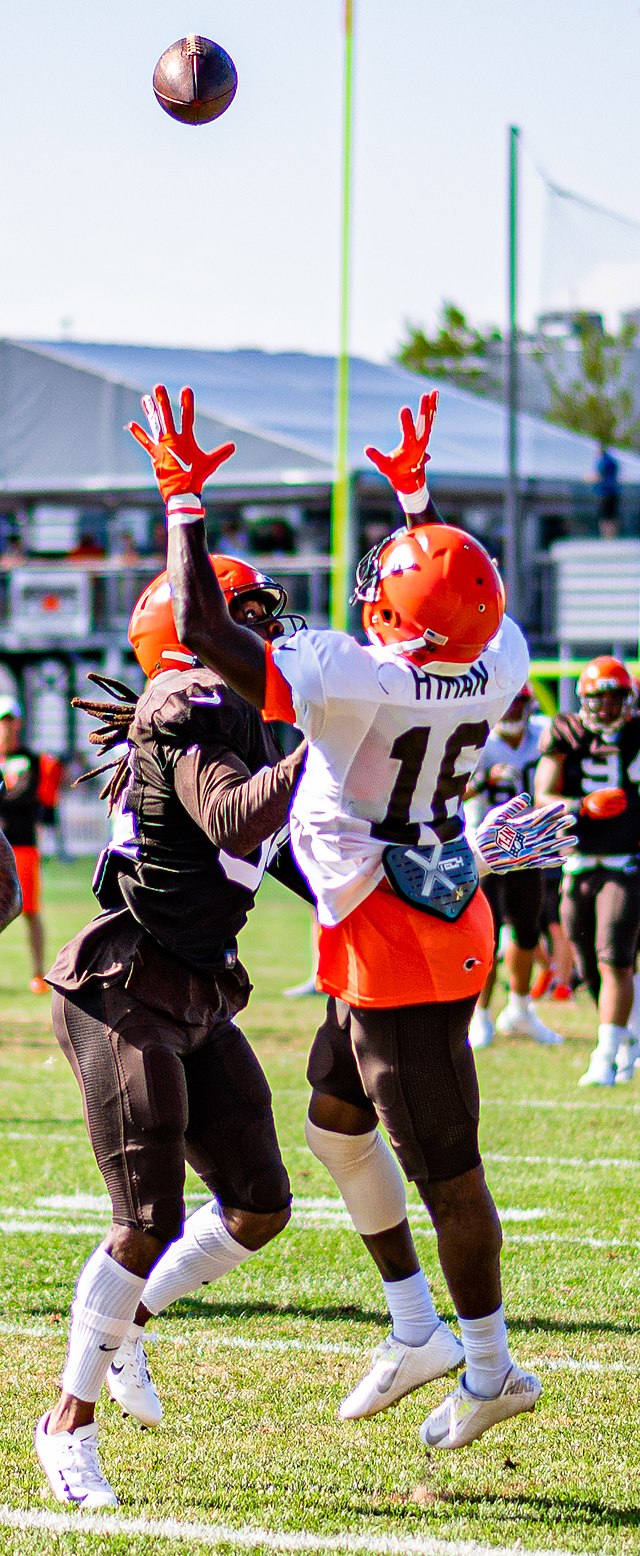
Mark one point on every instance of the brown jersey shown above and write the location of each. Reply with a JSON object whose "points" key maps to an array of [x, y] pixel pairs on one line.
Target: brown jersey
{"points": [[206, 791], [595, 761]]}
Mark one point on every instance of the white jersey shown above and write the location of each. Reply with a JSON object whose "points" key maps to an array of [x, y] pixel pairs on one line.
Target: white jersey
{"points": [[522, 760], [391, 751]]}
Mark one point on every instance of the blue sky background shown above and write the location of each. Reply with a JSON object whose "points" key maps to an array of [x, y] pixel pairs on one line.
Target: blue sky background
{"points": [[131, 227]]}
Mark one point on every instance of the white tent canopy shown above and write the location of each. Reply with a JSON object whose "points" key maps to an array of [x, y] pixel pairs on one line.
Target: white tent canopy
{"points": [[64, 404]]}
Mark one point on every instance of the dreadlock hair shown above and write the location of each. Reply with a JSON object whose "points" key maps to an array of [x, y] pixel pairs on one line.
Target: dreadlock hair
{"points": [[116, 719]]}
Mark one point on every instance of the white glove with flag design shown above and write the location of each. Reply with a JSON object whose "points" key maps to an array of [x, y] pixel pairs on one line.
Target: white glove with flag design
{"points": [[519, 836]]}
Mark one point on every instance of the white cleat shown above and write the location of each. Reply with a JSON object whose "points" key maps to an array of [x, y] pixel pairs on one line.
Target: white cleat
{"points": [[626, 1059], [72, 1467], [130, 1383], [463, 1417], [481, 1028], [601, 1071], [526, 1023], [398, 1369]]}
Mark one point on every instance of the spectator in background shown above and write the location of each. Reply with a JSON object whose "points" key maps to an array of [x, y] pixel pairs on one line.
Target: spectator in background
{"points": [[127, 553], [51, 779], [274, 535], [19, 814], [232, 539], [607, 490], [14, 553], [87, 548], [158, 541]]}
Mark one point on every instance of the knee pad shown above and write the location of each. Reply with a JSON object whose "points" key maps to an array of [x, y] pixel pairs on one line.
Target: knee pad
{"points": [[367, 1175]]}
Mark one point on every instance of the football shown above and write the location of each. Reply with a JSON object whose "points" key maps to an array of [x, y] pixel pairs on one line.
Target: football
{"points": [[195, 80]]}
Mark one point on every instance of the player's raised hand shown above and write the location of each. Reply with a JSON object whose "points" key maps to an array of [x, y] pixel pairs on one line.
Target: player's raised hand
{"points": [[179, 465], [404, 466], [516, 836]]}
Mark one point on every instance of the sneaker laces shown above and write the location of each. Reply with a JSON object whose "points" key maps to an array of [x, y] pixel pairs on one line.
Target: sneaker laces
{"points": [[81, 1464], [135, 1357]]}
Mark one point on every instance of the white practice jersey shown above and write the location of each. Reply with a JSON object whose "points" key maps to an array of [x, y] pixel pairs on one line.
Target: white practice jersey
{"points": [[391, 749], [522, 760]]}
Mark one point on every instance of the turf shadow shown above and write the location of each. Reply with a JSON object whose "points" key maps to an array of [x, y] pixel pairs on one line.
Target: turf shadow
{"points": [[334, 1312], [567, 1326]]}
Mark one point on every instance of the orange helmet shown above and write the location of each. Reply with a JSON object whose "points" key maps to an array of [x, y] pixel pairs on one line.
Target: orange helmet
{"points": [[607, 694], [152, 630], [431, 592]]}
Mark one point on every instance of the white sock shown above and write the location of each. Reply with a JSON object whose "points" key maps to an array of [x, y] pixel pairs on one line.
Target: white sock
{"points": [[519, 1003], [634, 1019], [205, 1251], [413, 1316], [106, 1299], [610, 1037], [487, 1359]]}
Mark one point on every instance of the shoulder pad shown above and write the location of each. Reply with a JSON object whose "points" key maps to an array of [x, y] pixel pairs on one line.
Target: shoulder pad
{"points": [[187, 708], [567, 732]]}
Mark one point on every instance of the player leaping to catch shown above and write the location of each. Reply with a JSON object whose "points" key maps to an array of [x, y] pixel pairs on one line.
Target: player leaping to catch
{"points": [[395, 730]]}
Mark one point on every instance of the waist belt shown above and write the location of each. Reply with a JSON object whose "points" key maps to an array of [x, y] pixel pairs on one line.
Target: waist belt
{"points": [[438, 878]]}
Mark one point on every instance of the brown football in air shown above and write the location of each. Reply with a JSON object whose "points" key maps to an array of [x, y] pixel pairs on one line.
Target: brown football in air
{"points": [[195, 80]]}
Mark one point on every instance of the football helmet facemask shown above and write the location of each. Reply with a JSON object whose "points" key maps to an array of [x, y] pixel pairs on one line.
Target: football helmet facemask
{"points": [[607, 695], [152, 632], [431, 593]]}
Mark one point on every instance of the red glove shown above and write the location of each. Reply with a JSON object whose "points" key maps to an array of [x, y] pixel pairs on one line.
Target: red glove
{"points": [[179, 465], [404, 466], [603, 804]]}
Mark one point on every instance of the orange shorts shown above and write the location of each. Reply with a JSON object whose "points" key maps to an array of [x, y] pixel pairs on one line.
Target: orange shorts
{"points": [[29, 876], [387, 954]]}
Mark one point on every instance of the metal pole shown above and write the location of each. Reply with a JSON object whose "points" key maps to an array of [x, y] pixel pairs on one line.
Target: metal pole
{"points": [[512, 547], [341, 496]]}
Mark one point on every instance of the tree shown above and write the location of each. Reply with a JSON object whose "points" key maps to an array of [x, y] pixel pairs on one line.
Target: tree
{"points": [[458, 351], [598, 399]]}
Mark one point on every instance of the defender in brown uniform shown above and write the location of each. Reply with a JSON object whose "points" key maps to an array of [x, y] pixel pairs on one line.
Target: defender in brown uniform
{"points": [[592, 759], [144, 1001]]}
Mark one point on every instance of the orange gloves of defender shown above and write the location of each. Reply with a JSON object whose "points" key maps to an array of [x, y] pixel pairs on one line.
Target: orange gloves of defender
{"points": [[179, 465]]}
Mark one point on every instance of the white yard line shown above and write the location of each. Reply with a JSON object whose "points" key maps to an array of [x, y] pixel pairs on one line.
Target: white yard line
{"points": [[193, 1337], [625, 1163], [249, 1538], [323, 1204], [23, 1222], [552, 1102]]}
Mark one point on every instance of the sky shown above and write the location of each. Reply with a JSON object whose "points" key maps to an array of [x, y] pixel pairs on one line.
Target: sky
{"points": [[118, 224]]}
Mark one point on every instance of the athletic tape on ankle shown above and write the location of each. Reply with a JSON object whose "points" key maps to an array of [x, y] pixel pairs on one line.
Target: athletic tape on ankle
{"points": [[367, 1175]]}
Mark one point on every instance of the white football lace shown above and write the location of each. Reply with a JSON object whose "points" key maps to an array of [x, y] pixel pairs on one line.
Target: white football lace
{"points": [[137, 1358], [81, 1465]]}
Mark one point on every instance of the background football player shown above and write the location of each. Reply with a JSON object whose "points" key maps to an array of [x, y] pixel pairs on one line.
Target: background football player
{"points": [[394, 732], [592, 759], [10, 894], [143, 1008], [507, 767], [19, 815]]}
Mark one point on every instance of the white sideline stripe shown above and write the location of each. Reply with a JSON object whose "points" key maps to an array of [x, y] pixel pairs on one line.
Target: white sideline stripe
{"points": [[200, 1342], [15, 1227], [249, 1538]]}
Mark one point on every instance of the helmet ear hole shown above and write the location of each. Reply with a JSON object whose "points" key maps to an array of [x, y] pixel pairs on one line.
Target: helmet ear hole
{"points": [[391, 617]]}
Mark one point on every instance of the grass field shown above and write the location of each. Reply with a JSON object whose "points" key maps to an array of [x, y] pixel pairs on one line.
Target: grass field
{"points": [[251, 1455]]}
